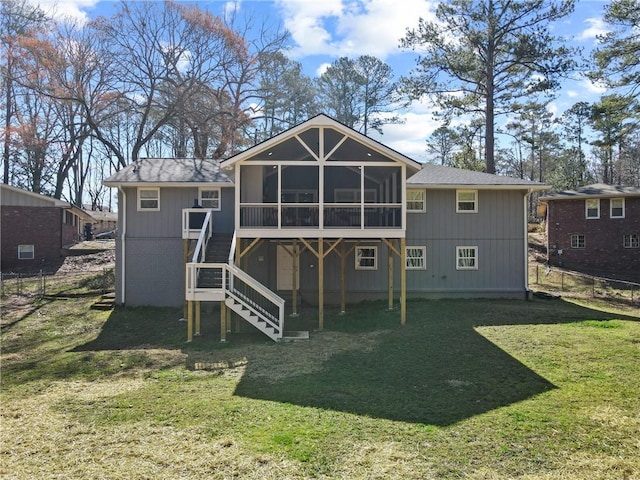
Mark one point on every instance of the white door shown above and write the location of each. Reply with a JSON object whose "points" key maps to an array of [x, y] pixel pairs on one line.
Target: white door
{"points": [[285, 269]]}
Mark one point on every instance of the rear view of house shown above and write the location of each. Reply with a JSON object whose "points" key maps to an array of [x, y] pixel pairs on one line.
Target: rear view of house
{"points": [[320, 212], [595, 228]]}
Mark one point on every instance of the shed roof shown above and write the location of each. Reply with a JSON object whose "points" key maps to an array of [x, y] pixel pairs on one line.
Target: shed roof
{"points": [[599, 190], [438, 176], [169, 171]]}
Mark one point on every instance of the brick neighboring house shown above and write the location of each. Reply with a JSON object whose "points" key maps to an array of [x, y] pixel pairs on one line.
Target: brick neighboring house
{"points": [[595, 228], [34, 229]]}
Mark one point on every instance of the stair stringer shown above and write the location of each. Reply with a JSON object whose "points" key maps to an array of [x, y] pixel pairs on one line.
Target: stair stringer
{"points": [[253, 315]]}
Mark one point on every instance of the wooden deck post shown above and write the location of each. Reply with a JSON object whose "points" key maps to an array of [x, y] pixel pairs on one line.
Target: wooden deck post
{"points": [[390, 275], [320, 283], [185, 255], [223, 321], [198, 311], [294, 279], [403, 281], [189, 321]]}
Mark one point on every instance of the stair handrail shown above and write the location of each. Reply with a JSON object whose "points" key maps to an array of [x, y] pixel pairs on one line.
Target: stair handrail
{"points": [[203, 238], [232, 250]]}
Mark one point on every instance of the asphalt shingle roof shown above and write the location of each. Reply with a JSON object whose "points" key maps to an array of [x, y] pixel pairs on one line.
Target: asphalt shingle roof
{"points": [[170, 170], [594, 190], [440, 175]]}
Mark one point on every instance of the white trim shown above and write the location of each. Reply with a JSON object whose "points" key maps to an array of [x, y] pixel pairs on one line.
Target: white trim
{"points": [[29, 250], [631, 237], [459, 249], [202, 200], [577, 237], [423, 258], [475, 201], [611, 207], [140, 199], [586, 208], [123, 237], [423, 200], [359, 258]]}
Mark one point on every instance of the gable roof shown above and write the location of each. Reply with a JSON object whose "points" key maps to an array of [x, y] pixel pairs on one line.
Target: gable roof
{"points": [[172, 171], [17, 196], [599, 190], [439, 176], [321, 120]]}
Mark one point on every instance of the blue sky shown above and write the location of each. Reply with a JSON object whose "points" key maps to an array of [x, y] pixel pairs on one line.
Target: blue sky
{"points": [[323, 30]]}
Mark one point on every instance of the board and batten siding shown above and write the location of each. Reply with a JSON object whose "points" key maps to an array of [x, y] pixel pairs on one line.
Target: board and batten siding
{"points": [[154, 245], [497, 230]]}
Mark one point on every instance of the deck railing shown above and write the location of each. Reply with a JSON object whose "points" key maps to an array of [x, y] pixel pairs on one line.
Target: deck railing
{"points": [[334, 215]]}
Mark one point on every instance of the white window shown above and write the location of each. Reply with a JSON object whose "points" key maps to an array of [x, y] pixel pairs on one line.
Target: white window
{"points": [[366, 258], [578, 241], [616, 208], [466, 201], [630, 241], [352, 195], [416, 201], [415, 257], [209, 198], [26, 252], [149, 199], [592, 208], [466, 258]]}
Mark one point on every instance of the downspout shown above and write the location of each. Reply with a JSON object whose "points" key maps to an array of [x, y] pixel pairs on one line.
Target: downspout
{"points": [[123, 236], [526, 244]]}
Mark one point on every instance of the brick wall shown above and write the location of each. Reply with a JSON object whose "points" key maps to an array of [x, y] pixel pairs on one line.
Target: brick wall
{"points": [[37, 226], [603, 251]]}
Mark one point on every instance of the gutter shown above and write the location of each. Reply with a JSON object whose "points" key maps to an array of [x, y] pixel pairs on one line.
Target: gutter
{"points": [[526, 243], [123, 236]]}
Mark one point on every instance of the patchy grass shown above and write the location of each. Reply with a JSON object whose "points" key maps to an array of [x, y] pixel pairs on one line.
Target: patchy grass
{"points": [[467, 389]]}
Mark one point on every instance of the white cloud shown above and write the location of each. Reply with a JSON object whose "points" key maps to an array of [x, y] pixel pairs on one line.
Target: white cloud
{"points": [[350, 27], [73, 10], [322, 68], [596, 27]]}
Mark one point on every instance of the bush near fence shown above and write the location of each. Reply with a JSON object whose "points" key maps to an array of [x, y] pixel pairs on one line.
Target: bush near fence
{"points": [[581, 285], [43, 284]]}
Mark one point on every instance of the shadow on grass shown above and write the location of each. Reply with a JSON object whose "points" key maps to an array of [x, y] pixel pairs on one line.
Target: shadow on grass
{"points": [[436, 370]]}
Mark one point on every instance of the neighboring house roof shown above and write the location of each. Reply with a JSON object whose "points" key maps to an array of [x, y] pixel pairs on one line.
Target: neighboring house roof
{"points": [[439, 176], [102, 216], [15, 196], [596, 190], [321, 120], [172, 171]]}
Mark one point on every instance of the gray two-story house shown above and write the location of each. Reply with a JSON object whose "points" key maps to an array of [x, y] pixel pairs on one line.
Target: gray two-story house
{"points": [[319, 211]]}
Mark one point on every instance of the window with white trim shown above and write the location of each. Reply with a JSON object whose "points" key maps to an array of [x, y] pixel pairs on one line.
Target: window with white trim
{"points": [[578, 241], [209, 198], [467, 258], [416, 201], [26, 252], [148, 199], [616, 208], [466, 201], [366, 258], [416, 258], [592, 208], [630, 241]]}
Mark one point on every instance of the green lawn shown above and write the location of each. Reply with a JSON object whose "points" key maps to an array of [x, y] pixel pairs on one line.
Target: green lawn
{"points": [[546, 389]]}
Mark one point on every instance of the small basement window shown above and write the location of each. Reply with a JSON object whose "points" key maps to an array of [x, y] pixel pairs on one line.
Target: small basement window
{"points": [[415, 258], [630, 241], [466, 258], [366, 258], [26, 252], [578, 241]]}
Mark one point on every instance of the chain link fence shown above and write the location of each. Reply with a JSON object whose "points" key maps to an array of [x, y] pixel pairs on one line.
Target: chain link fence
{"points": [[44, 284], [576, 284]]}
